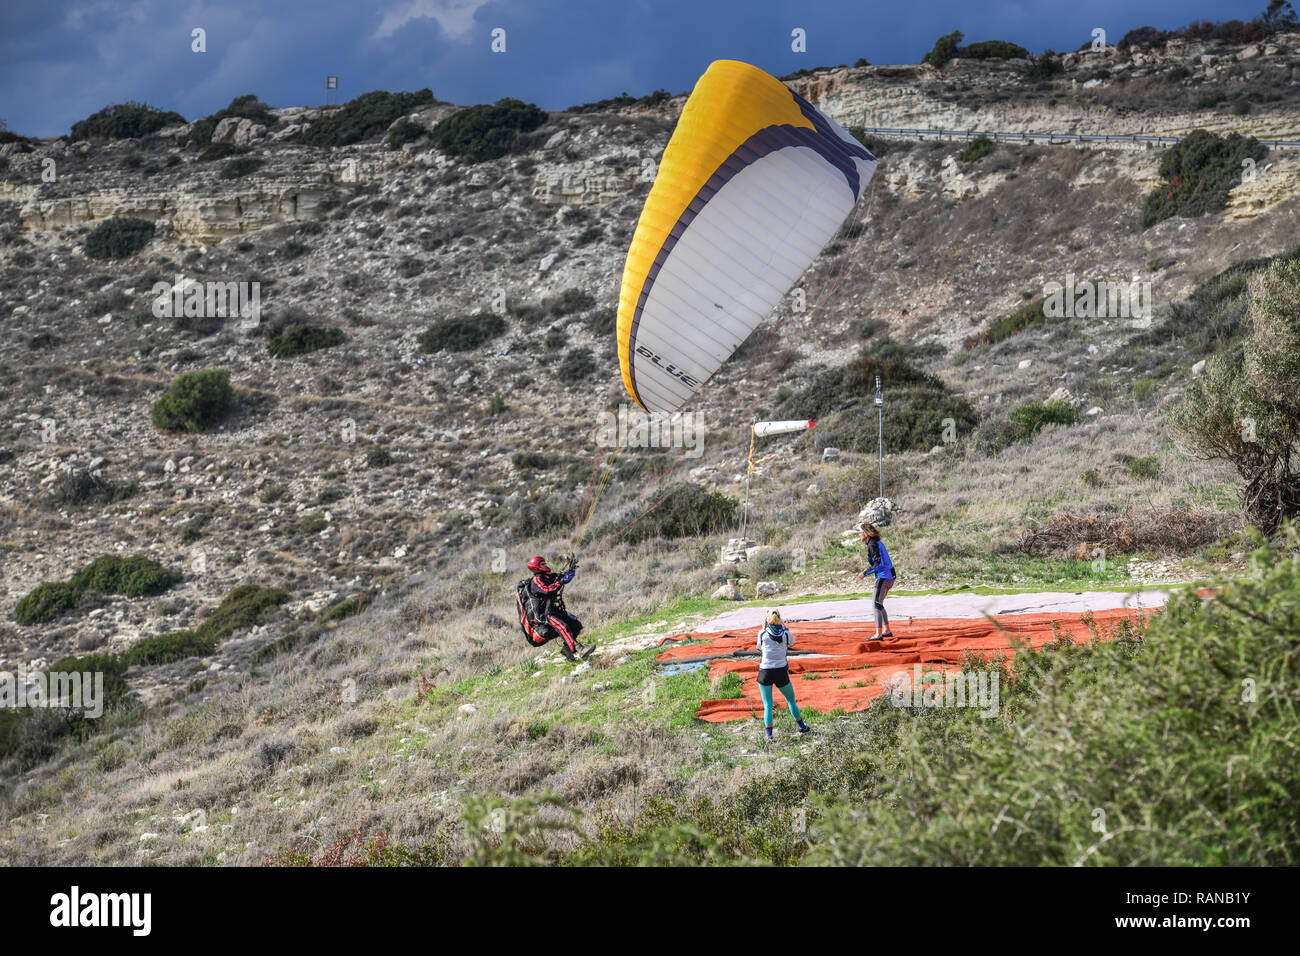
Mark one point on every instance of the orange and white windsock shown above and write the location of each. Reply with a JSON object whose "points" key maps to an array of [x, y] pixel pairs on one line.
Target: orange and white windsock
{"points": [[763, 429]]}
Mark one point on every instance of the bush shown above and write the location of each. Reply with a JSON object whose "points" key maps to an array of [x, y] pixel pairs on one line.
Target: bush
{"points": [[976, 149], [945, 48], [168, 648], [462, 333], [1197, 173], [300, 338], [530, 461], [1245, 410], [916, 417], [481, 133], [994, 50], [47, 602], [378, 458], [346, 608], [1146, 468], [241, 166], [1045, 67], [403, 132], [1031, 313], [1030, 417], [131, 576], [245, 606], [684, 510], [77, 488], [1159, 530], [118, 238], [568, 302], [195, 402], [125, 121], [578, 364], [362, 118]]}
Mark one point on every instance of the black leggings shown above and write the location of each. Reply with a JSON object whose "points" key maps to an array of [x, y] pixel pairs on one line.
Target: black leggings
{"points": [[882, 588]]}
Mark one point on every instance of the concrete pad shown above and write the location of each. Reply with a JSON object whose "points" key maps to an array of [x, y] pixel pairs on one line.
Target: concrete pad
{"points": [[939, 605]]}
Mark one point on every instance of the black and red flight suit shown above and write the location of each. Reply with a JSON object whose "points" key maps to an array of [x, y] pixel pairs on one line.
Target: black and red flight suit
{"points": [[547, 616]]}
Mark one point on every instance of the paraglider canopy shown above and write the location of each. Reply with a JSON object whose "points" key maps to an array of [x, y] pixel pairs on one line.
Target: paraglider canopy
{"points": [[754, 182]]}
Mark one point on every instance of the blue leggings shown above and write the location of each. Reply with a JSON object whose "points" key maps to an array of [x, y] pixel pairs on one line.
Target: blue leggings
{"points": [[787, 692]]}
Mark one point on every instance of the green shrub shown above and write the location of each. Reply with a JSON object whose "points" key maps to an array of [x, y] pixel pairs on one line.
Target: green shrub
{"points": [[131, 576], [1045, 67], [46, 602], [378, 458], [917, 411], [118, 238], [531, 461], [195, 402], [528, 519], [125, 121], [578, 364], [1031, 313], [945, 48], [481, 133], [403, 132], [1030, 417], [588, 236], [310, 523], [1197, 174], [167, 648], [1144, 388], [462, 333], [994, 50], [241, 166], [245, 606], [1243, 410], [683, 510], [369, 115], [1146, 468], [300, 338], [1210, 100], [347, 607], [976, 149]]}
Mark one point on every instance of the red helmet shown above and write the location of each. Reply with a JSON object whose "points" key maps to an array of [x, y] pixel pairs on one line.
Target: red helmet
{"points": [[537, 564]]}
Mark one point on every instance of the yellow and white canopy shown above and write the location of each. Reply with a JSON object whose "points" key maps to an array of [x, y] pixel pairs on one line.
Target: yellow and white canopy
{"points": [[754, 182]]}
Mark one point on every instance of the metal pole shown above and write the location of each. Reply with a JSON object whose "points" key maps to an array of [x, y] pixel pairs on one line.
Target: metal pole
{"points": [[880, 434]]}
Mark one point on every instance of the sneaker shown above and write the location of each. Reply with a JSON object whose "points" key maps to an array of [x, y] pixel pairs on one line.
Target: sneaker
{"points": [[768, 738], [568, 654], [804, 728], [584, 651]]}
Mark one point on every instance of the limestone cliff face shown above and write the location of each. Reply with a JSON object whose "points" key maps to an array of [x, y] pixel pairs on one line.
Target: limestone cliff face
{"points": [[1097, 92]]}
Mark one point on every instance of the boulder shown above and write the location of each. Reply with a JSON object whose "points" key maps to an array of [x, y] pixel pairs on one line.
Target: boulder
{"points": [[736, 550], [879, 511], [728, 592], [768, 588], [830, 454]]}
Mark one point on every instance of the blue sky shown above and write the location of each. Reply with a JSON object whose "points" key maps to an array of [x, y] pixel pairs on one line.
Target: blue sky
{"points": [[61, 60]]}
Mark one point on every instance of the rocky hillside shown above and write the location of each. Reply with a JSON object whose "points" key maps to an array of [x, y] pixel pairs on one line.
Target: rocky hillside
{"points": [[349, 469]]}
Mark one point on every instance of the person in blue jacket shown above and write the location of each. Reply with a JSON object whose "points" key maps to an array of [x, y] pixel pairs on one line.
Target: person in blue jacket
{"points": [[883, 569]]}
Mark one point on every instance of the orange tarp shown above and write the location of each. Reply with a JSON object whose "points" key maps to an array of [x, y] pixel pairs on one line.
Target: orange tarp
{"points": [[852, 672]]}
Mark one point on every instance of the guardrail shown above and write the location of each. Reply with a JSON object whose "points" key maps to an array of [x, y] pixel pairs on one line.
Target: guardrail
{"points": [[1052, 138]]}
